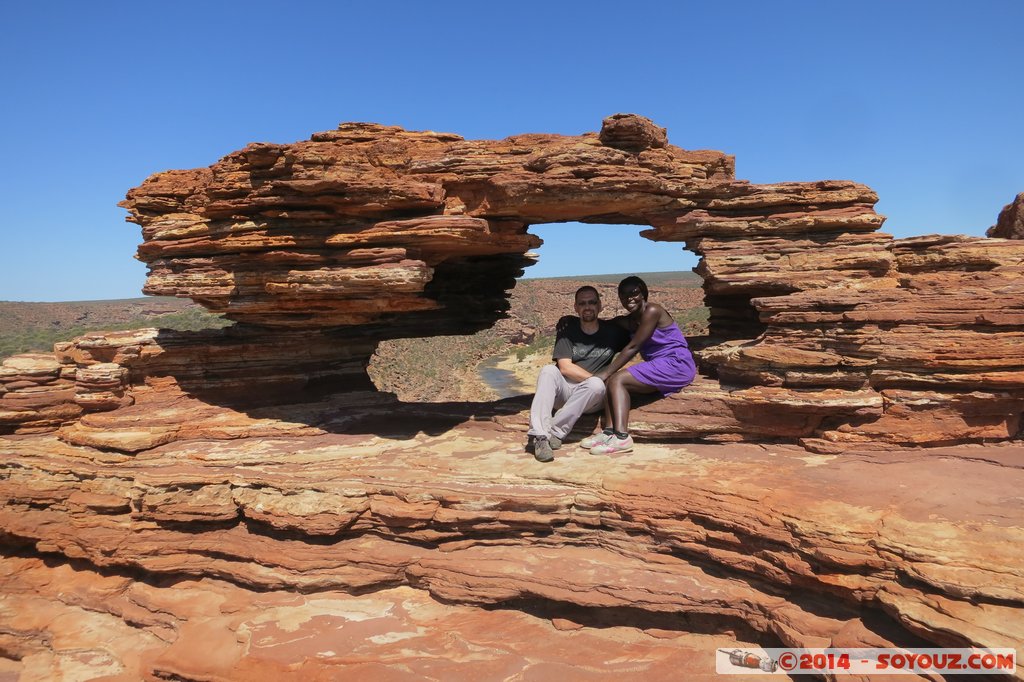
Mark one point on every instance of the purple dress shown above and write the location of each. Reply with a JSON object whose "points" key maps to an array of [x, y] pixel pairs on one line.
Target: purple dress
{"points": [[668, 364]]}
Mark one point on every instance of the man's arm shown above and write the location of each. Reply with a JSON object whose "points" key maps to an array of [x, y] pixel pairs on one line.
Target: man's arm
{"points": [[571, 371], [563, 352]]}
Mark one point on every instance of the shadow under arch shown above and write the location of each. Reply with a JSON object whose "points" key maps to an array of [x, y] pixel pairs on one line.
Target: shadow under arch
{"points": [[216, 383]]}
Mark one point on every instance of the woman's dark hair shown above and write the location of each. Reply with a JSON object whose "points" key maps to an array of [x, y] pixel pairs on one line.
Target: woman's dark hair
{"points": [[634, 280]]}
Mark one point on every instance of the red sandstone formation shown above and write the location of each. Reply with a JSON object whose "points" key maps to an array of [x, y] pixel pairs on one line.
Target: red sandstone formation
{"points": [[822, 329], [780, 545], [1010, 224], [260, 455], [111, 627]]}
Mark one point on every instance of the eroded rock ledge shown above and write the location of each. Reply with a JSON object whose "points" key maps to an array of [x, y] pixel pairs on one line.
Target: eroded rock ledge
{"points": [[865, 549]]}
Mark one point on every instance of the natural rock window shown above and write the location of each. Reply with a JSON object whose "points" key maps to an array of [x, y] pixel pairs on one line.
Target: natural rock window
{"points": [[821, 329]]}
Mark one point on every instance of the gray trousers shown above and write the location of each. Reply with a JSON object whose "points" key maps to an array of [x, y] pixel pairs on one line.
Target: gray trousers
{"points": [[571, 400]]}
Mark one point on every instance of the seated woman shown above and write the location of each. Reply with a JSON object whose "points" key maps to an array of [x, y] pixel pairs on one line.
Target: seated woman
{"points": [[667, 367]]}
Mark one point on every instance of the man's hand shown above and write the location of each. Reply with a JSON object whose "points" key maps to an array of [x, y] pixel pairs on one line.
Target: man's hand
{"points": [[602, 374], [563, 324]]}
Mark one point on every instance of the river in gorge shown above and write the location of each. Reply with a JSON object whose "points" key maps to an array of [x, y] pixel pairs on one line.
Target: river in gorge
{"points": [[502, 381]]}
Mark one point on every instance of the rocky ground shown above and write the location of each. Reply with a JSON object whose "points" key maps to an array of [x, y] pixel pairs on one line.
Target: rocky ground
{"points": [[387, 540], [112, 627], [182, 536]]}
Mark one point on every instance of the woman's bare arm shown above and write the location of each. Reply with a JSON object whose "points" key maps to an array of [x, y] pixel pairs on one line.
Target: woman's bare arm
{"points": [[648, 323]]}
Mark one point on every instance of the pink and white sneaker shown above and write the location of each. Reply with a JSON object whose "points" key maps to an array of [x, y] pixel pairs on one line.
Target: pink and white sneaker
{"points": [[613, 445]]}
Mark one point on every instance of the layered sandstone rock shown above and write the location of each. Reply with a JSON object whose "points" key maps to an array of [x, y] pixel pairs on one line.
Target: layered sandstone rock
{"points": [[36, 393], [779, 545], [206, 480], [98, 373], [67, 622], [821, 327], [321, 233], [369, 222]]}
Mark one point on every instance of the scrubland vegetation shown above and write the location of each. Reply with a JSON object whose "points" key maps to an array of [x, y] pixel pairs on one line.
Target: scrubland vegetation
{"points": [[26, 327]]}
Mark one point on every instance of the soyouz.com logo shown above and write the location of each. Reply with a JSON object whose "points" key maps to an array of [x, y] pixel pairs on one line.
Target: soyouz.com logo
{"points": [[865, 661]]}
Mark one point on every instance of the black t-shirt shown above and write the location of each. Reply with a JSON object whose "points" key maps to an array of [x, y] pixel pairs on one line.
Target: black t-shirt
{"points": [[592, 352]]}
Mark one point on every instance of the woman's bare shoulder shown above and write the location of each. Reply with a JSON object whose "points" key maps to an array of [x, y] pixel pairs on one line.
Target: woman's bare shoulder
{"points": [[664, 317], [654, 309]]}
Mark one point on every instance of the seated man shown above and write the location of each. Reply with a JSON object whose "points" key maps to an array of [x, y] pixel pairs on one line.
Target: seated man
{"points": [[583, 346]]}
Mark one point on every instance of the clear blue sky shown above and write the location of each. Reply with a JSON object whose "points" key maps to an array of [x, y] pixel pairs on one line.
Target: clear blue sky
{"points": [[921, 100]]}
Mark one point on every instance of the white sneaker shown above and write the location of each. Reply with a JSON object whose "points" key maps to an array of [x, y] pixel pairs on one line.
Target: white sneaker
{"points": [[596, 439]]}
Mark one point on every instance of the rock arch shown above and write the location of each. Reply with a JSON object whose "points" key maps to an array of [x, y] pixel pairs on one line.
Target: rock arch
{"points": [[822, 328], [370, 223], [400, 233]]}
